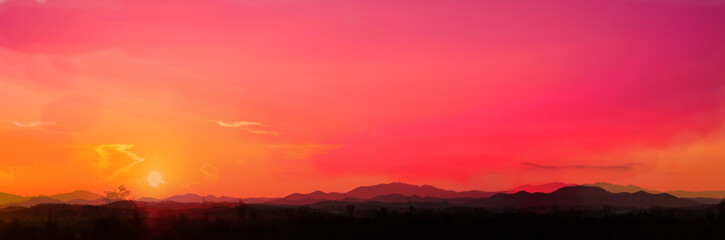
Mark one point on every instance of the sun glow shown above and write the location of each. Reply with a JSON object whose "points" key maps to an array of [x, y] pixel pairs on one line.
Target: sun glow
{"points": [[155, 179]]}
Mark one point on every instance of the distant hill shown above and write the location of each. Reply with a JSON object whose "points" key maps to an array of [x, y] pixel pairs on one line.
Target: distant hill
{"points": [[76, 195], [682, 194], [619, 188], [582, 196], [397, 192], [395, 198], [124, 204], [369, 192], [195, 198], [316, 195], [95, 202], [702, 194], [706, 200], [32, 202], [6, 198], [303, 201], [148, 199], [405, 189], [258, 200], [398, 198], [544, 188], [189, 197], [570, 196]]}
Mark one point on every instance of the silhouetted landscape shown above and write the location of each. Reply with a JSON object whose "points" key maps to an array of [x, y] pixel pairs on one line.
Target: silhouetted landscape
{"points": [[384, 211], [344, 119]]}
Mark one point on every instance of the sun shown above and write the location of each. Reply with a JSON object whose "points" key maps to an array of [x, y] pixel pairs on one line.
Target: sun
{"points": [[155, 179]]}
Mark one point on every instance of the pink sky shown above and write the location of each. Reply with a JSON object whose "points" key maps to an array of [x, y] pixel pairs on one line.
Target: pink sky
{"points": [[330, 94]]}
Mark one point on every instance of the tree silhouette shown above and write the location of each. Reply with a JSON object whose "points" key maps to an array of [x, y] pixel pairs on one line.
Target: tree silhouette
{"points": [[607, 209], [350, 210], [119, 194], [241, 212], [721, 212]]}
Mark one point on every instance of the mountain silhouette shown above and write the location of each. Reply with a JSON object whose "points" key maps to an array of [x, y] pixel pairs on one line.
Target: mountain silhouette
{"points": [[545, 188], [614, 188], [316, 195], [398, 198], [301, 201], [703, 200], [76, 195], [258, 200], [123, 204], [148, 199], [397, 192], [6, 198], [700, 194], [582, 196], [369, 192], [32, 202], [703, 195], [195, 198], [95, 202]]}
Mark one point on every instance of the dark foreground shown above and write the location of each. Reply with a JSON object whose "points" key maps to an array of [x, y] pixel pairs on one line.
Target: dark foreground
{"points": [[346, 221]]}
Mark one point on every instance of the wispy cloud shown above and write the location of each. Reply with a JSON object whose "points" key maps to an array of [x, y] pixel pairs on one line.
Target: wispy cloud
{"points": [[7, 175], [210, 171], [623, 167], [237, 124], [30, 124], [251, 127], [272, 133], [106, 163]]}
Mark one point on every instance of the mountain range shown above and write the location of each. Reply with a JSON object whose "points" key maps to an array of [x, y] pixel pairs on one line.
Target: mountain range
{"points": [[679, 193], [369, 192], [522, 196], [81, 197], [197, 198], [75, 197], [582, 196], [544, 188], [538, 195]]}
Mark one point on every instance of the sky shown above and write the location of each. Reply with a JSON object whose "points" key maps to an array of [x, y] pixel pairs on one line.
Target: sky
{"points": [[255, 98]]}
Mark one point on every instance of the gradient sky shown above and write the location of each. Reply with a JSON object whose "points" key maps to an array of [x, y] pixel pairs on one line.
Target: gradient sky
{"points": [[268, 97]]}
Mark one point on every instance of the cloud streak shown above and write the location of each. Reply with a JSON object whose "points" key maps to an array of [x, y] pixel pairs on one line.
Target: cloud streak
{"points": [[32, 124], [106, 162], [250, 127], [262, 132], [238, 124], [210, 171], [619, 168]]}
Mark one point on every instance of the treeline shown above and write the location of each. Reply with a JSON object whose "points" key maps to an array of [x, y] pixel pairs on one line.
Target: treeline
{"points": [[264, 222]]}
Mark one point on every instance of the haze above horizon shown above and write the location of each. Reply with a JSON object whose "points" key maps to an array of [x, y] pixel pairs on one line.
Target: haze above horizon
{"points": [[268, 98]]}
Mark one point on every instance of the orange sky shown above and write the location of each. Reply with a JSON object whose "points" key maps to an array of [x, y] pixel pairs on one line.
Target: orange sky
{"points": [[264, 98]]}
